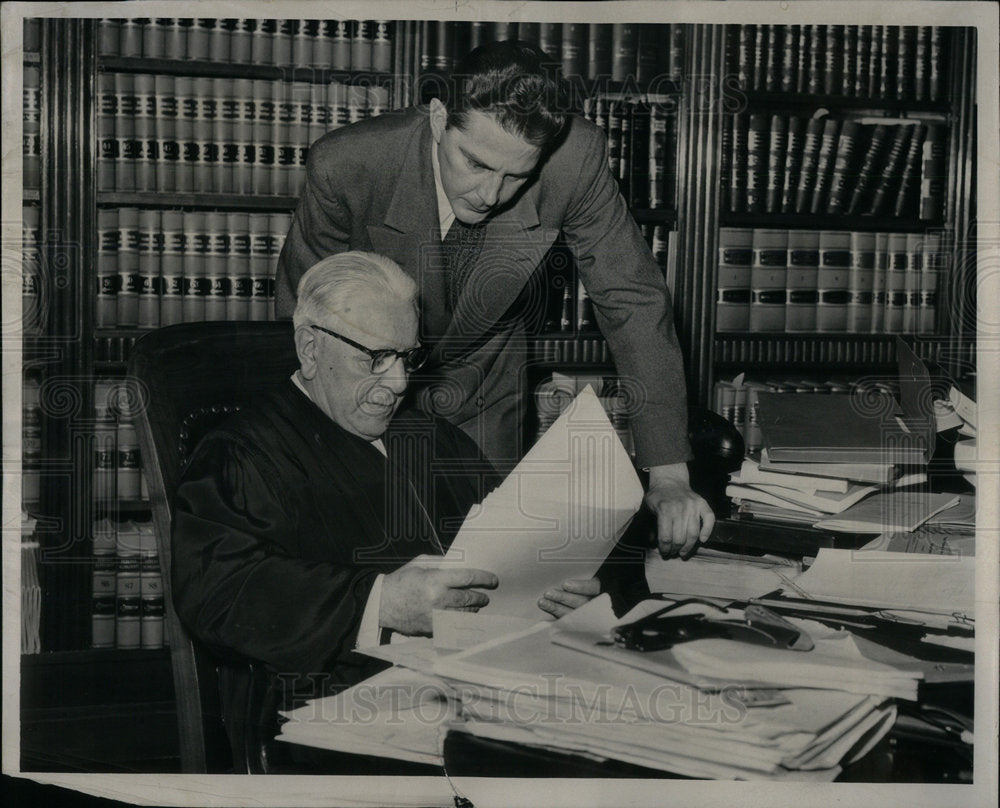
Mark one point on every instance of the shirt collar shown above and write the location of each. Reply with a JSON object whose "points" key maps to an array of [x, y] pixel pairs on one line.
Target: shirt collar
{"points": [[445, 214], [297, 381]]}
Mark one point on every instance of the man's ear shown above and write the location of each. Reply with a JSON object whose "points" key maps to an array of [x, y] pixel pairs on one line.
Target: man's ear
{"points": [[306, 346], [439, 119]]}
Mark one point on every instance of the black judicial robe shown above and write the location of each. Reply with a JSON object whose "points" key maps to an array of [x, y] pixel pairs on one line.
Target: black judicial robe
{"points": [[282, 521]]}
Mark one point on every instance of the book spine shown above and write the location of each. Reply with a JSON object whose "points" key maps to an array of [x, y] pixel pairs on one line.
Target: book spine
{"points": [[204, 134], [914, 256], [286, 156], [107, 143], [647, 56], [238, 267], [128, 268], [278, 224], [125, 132], [768, 276], [905, 68], [887, 68], [187, 114], [879, 282], [726, 168], [639, 169], [193, 266], [504, 30], [168, 147], [31, 268], [810, 162], [615, 136], [362, 34], [172, 268], [732, 301], [675, 65], [599, 45], [777, 158], [220, 42], [789, 58], [663, 147], [108, 246], [875, 63], [260, 255], [760, 57], [128, 601], [243, 136], [130, 37], [832, 281], [282, 47], [529, 31], [756, 181], [745, 55], [150, 250], [862, 61], [932, 172], [833, 80], [241, 41], [817, 56], [151, 611], [550, 39], [895, 284], [860, 283], [892, 166], [824, 165], [262, 134], [935, 79], [921, 63], [869, 168], [217, 283], [624, 50], [625, 153], [108, 37], [842, 180], [906, 201], [262, 42], [804, 55], [574, 48], [773, 59], [933, 262], [585, 321], [227, 110], [849, 66], [738, 164], [801, 281]]}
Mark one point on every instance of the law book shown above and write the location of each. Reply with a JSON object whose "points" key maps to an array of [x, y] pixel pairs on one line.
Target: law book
{"points": [[833, 55], [875, 63], [362, 32], [878, 473], [914, 260], [305, 44], [816, 61], [550, 39], [383, 35], [240, 40], [905, 68], [832, 280], [801, 281], [259, 265], [789, 58], [172, 267], [148, 286], [639, 165], [888, 64], [848, 62], [107, 143], [529, 31], [935, 79], [283, 36], [615, 137], [130, 37], [773, 57], [222, 134], [777, 157], [803, 53], [921, 63], [732, 301], [768, 275], [895, 283], [932, 264], [824, 165], [599, 49], [868, 171], [756, 172], [862, 60], [751, 432], [216, 259], [108, 245], [843, 178], [675, 63], [193, 266], [624, 50], [745, 55], [204, 133], [125, 132], [860, 283], [262, 42], [879, 280], [647, 53], [573, 48], [504, 30], [725, 174], [760, 57], [933, 174], [624, 172], [127, 312], [169, 147], [108, 37], [890, 172], [907, 201], [810, 161], [823, 428], [738, 164], [239, 282], [585, 320]]}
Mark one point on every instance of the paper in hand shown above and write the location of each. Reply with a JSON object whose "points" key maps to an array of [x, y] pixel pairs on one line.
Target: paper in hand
{"points": [[557, 515]]}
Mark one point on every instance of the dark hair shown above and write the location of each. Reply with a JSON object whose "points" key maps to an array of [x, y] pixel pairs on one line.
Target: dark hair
{"points": [[515, 82]]}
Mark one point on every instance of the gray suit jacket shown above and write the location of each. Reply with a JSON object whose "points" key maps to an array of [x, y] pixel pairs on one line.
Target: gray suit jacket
{"points": [[370, 186]]}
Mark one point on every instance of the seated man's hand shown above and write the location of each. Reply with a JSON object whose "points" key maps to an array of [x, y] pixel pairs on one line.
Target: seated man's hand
{"points": [[683, 518], [570, 595], [411, 593]]}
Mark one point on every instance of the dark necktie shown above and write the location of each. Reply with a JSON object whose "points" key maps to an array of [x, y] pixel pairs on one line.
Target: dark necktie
{"points": [[460, 249]]}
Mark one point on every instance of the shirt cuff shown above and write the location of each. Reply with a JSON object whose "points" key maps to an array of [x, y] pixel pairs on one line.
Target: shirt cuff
{"points": [[369, 633]]}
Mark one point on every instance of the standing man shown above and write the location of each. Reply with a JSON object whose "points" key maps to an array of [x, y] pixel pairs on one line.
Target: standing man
{"points": [[467, 195]]}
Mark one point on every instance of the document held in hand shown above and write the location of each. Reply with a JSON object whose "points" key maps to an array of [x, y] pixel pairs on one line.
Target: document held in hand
{"points": [[557, 515]]}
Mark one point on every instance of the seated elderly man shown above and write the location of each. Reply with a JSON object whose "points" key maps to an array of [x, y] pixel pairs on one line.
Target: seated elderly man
{"points": [[298, 522]]}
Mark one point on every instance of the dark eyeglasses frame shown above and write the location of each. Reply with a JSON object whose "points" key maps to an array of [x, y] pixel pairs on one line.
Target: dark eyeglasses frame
{"points": [[413, 359]]}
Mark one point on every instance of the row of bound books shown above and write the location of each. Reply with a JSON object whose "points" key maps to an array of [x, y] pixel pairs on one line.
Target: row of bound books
{"points": [[822, 165], [176, 133], [31, 151], [884, 62], [157, 268], [362, 45], [642, 148], [127, 606], [572, 311], [648, 54], [828, 281], [555, 394]]}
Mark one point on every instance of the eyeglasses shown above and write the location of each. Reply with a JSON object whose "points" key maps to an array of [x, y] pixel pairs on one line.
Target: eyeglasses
{"points": [[385, 358]]}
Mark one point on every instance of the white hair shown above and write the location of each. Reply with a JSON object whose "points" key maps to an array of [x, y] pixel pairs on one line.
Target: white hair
{"points": [[331, 285]]}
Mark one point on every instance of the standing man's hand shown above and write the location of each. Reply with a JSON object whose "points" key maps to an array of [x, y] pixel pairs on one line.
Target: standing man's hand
{"points": [[683, 518], [411, 593]]}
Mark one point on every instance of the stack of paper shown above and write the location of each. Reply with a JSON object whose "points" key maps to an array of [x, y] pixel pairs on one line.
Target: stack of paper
{"points": [[717, 574], [562, 686]]}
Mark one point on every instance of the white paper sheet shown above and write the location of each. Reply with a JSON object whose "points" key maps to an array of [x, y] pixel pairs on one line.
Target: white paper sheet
{"points": [[557, 515]]}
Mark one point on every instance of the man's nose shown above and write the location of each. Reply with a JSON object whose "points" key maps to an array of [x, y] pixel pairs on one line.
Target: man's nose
{"points": [[489, 190], [395, 378]]}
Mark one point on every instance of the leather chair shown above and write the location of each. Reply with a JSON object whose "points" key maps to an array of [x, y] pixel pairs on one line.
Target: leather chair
{"points": [[185, 379]]}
